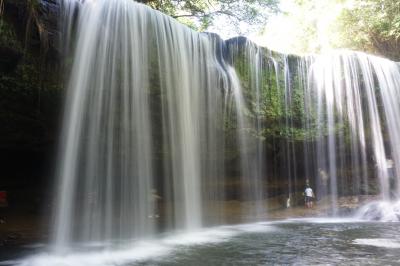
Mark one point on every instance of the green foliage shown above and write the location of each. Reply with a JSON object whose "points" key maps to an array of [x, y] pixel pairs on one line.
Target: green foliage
{"points": [[28, 105], [8, 37], [372, 25], [201, 14], [311, 26], [30, 90], [297, 30], [281, 117]]}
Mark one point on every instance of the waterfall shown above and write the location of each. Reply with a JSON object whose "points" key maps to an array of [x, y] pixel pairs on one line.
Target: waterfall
{"points": [[355, 95], [163, 126], [342, 108], [140, 125]]}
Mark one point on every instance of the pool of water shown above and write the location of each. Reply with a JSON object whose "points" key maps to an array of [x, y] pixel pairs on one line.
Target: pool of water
{"points": [[293, 242]]}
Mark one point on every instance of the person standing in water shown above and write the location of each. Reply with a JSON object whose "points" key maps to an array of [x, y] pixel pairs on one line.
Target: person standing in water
{"points": [[309, 195], [288, 202]]}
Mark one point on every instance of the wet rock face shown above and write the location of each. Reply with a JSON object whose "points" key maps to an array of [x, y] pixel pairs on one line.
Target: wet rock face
{"points": [[36, 23], [49, 11], [30, 91], [9, 59]]}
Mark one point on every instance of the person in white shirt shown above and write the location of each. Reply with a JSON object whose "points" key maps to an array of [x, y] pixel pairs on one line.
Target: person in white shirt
{"points": [[309, 195]]}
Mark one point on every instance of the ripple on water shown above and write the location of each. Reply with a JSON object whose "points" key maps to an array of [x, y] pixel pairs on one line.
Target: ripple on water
{"points": [[305, 242], [144, 250]]}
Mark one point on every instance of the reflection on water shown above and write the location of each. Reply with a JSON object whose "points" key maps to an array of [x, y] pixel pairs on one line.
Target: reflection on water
{"points": [[294, 242]]}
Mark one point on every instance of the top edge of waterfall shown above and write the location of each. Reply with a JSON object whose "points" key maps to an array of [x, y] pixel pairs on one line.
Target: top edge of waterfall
{"points": [[245, 39], [131, 2]]}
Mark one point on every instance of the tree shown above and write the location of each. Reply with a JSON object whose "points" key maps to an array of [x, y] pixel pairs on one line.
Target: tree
{"points": [[201, 14], [303, 27], [373, 26], [309, 26]]}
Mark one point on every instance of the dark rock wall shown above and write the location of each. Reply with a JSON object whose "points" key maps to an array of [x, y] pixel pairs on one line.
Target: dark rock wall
{"points": [[30, 96]]}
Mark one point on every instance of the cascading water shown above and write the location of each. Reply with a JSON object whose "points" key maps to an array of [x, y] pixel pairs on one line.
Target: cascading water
{"points": [[355, 97], [342, 108], [147, 139], [347, 117], [249, 135], [141, 124]]}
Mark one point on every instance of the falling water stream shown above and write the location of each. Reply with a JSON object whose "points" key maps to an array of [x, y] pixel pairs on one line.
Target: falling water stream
{"points": [[143, 95], [160, 121]]}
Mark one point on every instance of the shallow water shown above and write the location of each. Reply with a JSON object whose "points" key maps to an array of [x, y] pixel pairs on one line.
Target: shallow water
{"points": [[294, 242]]}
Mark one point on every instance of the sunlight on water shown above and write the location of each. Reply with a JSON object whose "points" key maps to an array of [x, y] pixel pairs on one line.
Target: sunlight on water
{"points": [[378, 242]]}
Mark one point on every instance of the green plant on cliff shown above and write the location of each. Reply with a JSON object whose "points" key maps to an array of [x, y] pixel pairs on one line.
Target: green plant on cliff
{"points": [[30, 93], [281, 106], [8, 36]]}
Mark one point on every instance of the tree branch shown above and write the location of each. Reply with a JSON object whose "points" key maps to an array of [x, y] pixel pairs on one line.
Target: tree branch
{"points": [[209, 14]]}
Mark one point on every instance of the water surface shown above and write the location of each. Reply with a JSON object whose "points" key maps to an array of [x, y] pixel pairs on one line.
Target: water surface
{"points": [[288, 242]]}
